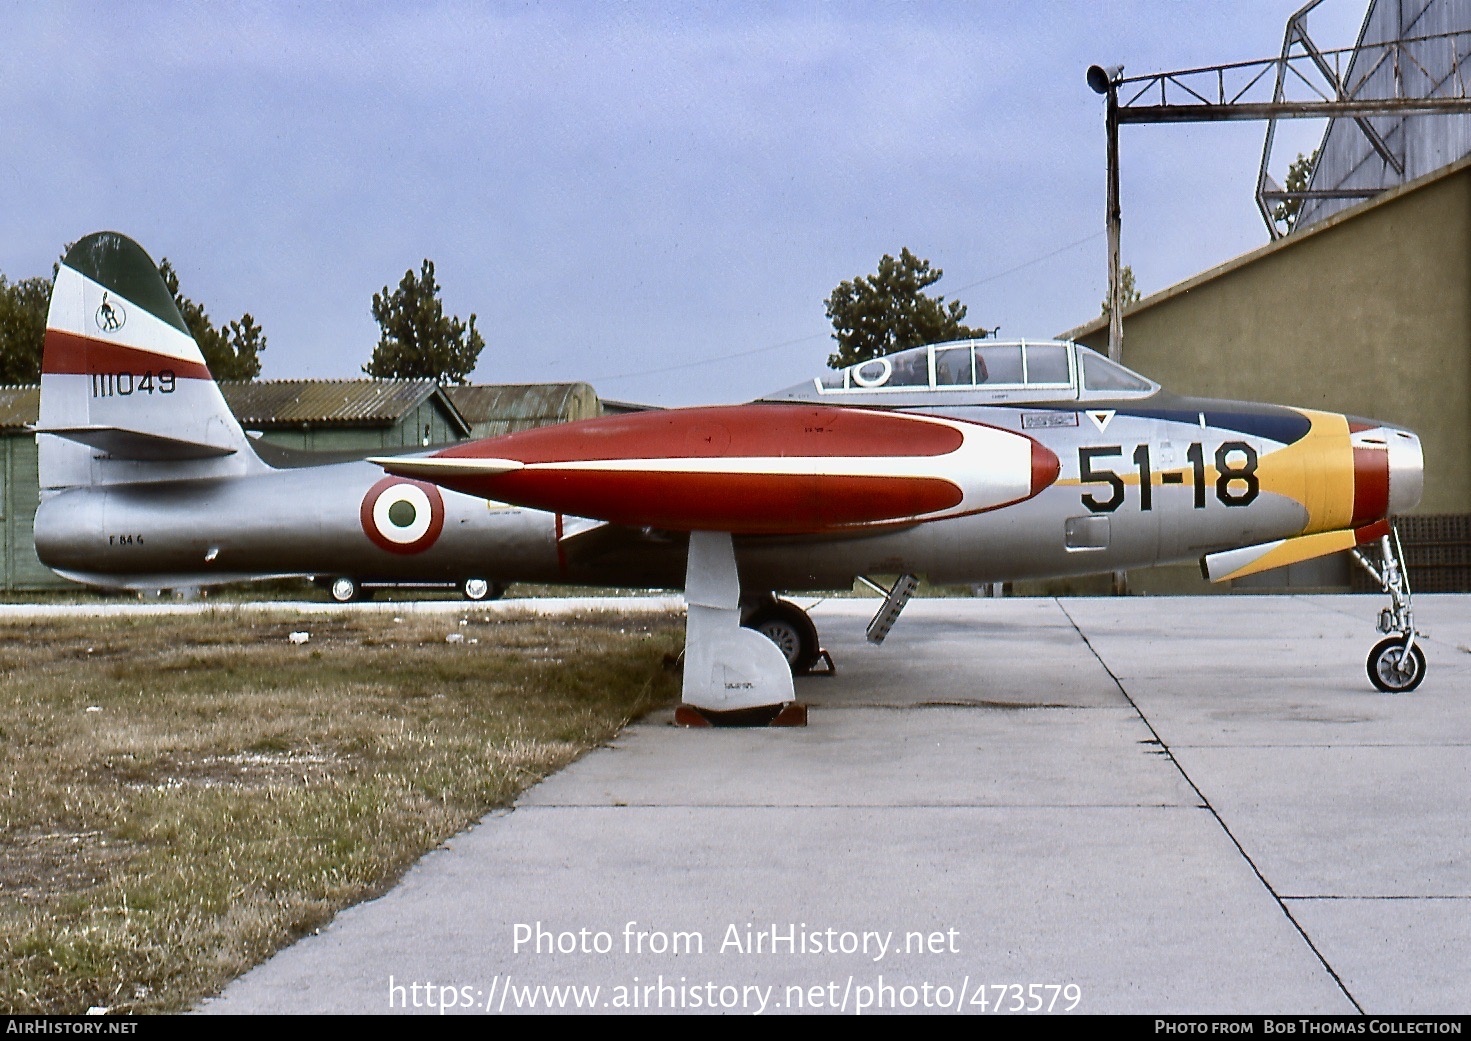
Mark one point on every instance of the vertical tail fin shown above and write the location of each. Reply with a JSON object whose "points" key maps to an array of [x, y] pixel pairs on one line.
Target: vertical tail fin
{"points": [[125, 392]]}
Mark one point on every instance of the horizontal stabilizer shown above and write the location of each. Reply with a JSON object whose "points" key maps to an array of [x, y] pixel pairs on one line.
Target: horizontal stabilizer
{"points": [[135, 445], [1251, 560], [440, 466]]}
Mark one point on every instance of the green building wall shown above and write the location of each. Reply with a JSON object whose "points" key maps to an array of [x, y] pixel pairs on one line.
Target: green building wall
{"points": [[424, 421], [21, 495]]}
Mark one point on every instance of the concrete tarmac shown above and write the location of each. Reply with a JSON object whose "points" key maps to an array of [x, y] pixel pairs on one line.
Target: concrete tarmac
{"points": [[1102, 805]]}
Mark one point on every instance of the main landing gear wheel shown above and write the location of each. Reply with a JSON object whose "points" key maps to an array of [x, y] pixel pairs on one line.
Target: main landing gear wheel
{"points": [[344, 590], [480, 589], [788, 626], [1393, 670]]}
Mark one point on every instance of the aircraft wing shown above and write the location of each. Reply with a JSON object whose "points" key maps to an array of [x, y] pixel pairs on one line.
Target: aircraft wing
{"points": [[749, 469]]}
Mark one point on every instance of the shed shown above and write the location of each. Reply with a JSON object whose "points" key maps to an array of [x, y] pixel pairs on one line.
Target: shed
{"points": [[333, 415], [20, 491], [496, 409]]}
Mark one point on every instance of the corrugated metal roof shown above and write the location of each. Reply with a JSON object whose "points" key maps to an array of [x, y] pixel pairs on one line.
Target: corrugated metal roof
{"points": [[492, 410], [484, 411], [277, 403], [622, 407], [1425, 68], [20, 407]]}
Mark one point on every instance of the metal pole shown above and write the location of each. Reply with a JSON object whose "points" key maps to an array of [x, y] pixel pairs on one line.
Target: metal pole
{"points": [[1115, 220], [1115, 277], [1105, 81]]}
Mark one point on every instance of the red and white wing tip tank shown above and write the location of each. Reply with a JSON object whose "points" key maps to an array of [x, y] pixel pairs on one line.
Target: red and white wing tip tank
{"points": [[749, 469]]}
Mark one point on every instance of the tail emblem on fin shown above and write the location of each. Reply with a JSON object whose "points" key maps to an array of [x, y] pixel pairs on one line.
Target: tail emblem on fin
{"points": [[110, 317]]}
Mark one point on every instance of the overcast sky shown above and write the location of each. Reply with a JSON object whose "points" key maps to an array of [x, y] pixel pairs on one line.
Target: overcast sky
{"points": [[655, 198]]}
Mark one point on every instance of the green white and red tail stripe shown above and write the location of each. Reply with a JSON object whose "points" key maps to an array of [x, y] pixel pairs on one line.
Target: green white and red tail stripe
{"points": [[124, 385]]}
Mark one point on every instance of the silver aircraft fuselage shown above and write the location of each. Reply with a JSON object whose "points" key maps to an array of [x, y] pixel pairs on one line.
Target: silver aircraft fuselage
{"points": [[1147, 481]]}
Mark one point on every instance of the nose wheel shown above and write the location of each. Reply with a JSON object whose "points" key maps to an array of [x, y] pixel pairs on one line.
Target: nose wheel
{"points": [[1397, 664], [1396, 668]]}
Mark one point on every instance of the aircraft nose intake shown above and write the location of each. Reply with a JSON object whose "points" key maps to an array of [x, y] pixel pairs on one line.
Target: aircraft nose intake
{"points": [[1389, 472], [1406, 470]]}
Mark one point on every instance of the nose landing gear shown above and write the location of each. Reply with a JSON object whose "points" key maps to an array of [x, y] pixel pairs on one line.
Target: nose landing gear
{"points": [[1397, 664]]}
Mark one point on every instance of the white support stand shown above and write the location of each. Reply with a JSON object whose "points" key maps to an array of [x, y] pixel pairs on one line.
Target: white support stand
{"points": [[726, 668]]}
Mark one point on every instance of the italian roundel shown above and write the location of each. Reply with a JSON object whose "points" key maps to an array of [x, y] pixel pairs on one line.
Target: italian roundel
{"points": [[402, 516]]}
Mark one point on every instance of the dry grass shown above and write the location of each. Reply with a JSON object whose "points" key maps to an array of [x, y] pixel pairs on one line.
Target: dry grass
{"points": [[179, 797]]}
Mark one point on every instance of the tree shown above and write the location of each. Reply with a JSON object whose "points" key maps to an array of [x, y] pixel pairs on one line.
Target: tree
{"points": [[23, 308], [417, 340], [1299, 174], [232, 351], [879, 314], [1127, 290]]}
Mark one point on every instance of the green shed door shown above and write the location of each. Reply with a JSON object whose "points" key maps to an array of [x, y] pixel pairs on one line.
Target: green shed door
{"points": [[23, 570], [5, 512]]}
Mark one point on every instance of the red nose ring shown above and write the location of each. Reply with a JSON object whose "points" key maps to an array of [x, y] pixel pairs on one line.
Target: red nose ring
{"points": [[1371, 483]]}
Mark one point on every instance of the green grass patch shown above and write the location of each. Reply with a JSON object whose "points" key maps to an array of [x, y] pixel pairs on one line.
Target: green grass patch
{"points": [[181, 796]]}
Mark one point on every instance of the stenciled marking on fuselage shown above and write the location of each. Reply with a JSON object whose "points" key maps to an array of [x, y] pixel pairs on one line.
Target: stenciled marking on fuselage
{"points": [[122, 384], [1049, 420], [1236, 483]]}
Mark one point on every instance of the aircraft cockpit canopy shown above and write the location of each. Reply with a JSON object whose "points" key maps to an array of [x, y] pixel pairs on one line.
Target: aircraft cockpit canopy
{"points": [[975, 372]]}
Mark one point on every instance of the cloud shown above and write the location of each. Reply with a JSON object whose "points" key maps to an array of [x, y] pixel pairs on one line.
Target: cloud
{"points": [[612, 188]]}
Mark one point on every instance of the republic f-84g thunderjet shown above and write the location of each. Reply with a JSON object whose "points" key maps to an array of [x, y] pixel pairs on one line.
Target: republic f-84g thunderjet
{"points": [[976, 461]]}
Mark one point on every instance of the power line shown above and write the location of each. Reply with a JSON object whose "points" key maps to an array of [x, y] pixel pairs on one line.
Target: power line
{"points": [[820, 336], [709, 361], [1029, 263]]}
